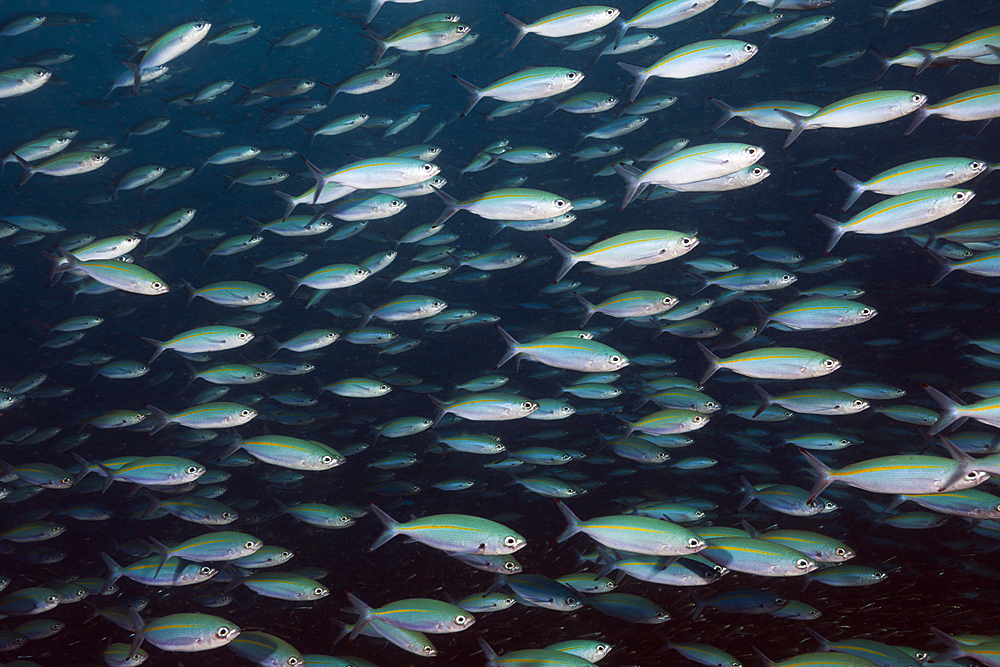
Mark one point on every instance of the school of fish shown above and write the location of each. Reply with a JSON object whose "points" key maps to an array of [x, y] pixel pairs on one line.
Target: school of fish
{"points": [[259, 323]]}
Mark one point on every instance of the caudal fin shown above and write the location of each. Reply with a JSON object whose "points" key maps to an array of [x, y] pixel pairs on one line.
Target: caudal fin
{"points": [[475, 94], [797, 125], [640, 79], [950, 407], [512, 347], [713, 363], [521, 32], [727, 113], [390, 528], [572, 519], [633, 186], [825, 479], [836, 231], [854, 184], [569, 258]]}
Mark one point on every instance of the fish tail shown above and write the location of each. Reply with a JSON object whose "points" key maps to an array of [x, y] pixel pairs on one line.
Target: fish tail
{"points": [[633, 187], [380, 45], [164, 553], [475, 93], [699, 604], [114, 572], [928, 57], [373, 10], [192, 374], [569, 261], [798, 124], [190, 288], [440, 410], [854, 184], [320, 180], [574, 522], [748, 493], [390, 528], [512, 345], [766, 399], [295, 280], [765, 318], [450, 204], [766, 660], [289, 203], [521, 32], [824, 643], [946, 266], [727, 113], [919, 116], [160, 419], [836, 231], [29, 171], [883, 61], [954, 648], [488, 651], [157, 344], [824, 475], [620, 35], [886, 14], [364, 613], [640, 78], [590, 309], [713, 363], [950, 407]]}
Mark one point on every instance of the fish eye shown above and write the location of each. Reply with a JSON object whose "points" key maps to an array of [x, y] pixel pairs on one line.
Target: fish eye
{"points": [[191, 470], [345, 519], [319, 591], [222, 632], [614, 358], [206, 570], [241, 335], [509, 541], [867, 311], [510, 566], [829, 363], [156, 284], [801, 563], [958, 196], [292, 660], [53, 599], [840, 551], [429, 650], [199, 25], [249, 544], [858, 404], [694, 543], [972, 474], [612, 100], [917, 97], [427, 166], [609, 12], [687, 241], [326, 460], [245, 413], [698, 419], [749, 48], [226, 515], [571, 75], [67, 480], [571, 602], [976, 165], [360, 272], [711, 405], [461, 620]]}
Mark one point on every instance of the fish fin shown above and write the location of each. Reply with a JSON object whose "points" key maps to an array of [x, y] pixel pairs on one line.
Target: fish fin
{"points": [[824, 644], [946, 266], [966, 464], [155, 343], [574, 522], [726, 110], [164, 553], [633, 188], [713, 362], [640, 78], [854, 184], [490, 654], [590, 309], [883, 61], [928, 56], [512, 345], [440, 410], [320, 179], [753, 532], [472, 90], [748, 494], [159, 417], [766, 660], [451, 206], [798, 124], [380, 45], [699, 604], [569, 261], [29, 171], [620, 35], [114, 573], [765, 318], [950, 407], [954, 648], [836, 231], [390, 528], [919, 116], [364, 614], [766, 399], [521, 32], [824, 480]]}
